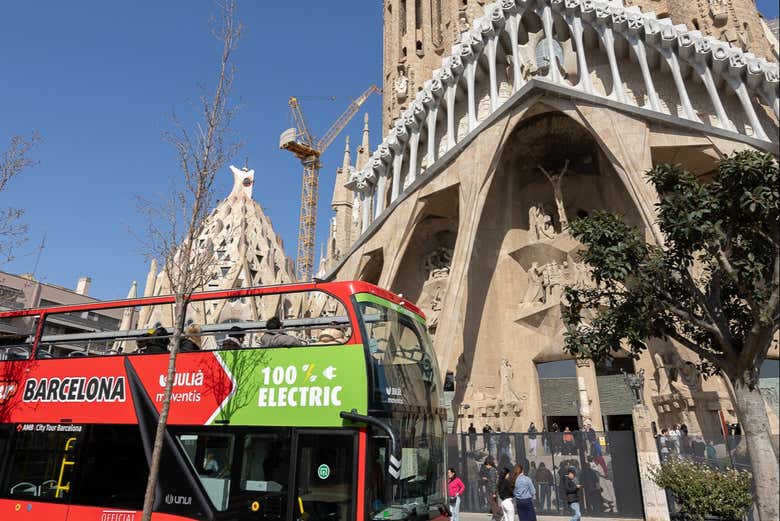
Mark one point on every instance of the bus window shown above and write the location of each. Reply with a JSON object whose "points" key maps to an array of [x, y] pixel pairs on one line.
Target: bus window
{"points": [[18, 344], [265, 464], [325, 477], [420, 487], [404, 365], [113, 468], [130, 329], [43, 463], [211, 455], [271, 320]]}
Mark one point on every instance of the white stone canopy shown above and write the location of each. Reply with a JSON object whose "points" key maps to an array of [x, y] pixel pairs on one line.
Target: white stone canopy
{"points": [[617, 54]]}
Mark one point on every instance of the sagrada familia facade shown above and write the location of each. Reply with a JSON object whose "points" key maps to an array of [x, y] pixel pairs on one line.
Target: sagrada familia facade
{"points": [[502, 121]]}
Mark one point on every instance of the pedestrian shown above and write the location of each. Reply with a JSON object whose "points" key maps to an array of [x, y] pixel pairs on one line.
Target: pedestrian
{"points": [[472, 437], [674, 437], [571, 489], [532, 440], [568, 441], [455, 489], [712, 453], [489, 476], [524, 494], [555, 438], [486, 430], [505, 494], [544, 479], [663, 444]]}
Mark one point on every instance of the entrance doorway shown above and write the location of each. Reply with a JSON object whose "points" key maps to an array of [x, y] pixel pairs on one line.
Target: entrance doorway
{"points": [[572, 422], [619, 422]]}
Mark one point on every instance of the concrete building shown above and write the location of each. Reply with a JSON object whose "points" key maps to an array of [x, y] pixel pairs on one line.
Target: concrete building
{"points": [[504, 120], [24, 291]]}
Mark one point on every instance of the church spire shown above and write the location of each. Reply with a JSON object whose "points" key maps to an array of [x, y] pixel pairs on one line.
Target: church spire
{"points": [[345, 164], [364, 150]]}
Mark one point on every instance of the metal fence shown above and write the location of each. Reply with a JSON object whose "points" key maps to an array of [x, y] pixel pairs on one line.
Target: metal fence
{"points": [[605, 464]]}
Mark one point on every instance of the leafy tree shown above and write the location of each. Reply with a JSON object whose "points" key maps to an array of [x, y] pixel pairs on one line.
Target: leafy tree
{"points": [[701, 491], [712, 287]]}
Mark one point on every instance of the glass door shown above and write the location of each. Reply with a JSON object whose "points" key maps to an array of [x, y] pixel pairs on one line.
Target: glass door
{"points": [[325, 476]]}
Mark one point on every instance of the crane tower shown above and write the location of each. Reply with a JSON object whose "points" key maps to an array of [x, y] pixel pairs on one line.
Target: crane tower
{"points": [[308, 150]]}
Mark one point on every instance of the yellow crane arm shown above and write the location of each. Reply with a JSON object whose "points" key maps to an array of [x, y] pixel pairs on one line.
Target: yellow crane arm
{"points": [[336, 128], [300, 122]]}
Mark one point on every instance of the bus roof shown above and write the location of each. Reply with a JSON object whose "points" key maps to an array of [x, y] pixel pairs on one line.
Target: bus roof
{"points": [[340, 289]]}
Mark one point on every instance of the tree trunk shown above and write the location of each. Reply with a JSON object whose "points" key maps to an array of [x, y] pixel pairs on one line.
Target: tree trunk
{"points": [[159, 436], [755, 428]]}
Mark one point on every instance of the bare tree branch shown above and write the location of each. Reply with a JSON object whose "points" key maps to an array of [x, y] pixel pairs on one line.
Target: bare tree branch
{"points": [[16, 159], [176, 224]]}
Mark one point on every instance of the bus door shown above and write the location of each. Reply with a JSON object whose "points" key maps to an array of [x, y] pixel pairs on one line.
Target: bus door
{"points": [[325, 480]]}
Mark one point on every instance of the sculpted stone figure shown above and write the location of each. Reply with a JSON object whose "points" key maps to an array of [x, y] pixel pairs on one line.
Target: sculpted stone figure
{"points": [[663, 376], [535, 290], [540, 224], [401, 85], [506, 393], [555, 181], [437, 263]]}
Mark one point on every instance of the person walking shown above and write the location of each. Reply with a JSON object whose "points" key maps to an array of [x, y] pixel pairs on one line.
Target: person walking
{"points": [[455, 489], [571, 490], [524, 494], [532, 440], [505, 494], [472, 437], [489, 477]]}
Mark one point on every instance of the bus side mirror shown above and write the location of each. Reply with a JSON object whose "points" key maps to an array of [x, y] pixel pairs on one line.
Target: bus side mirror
{"points": [[393, 463]]}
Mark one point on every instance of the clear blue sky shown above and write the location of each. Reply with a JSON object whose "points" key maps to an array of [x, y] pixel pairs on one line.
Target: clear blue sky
{"points": [[99, 82]]}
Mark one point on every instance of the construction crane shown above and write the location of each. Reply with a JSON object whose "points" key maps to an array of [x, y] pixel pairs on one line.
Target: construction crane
{"points": [[308, 149]]}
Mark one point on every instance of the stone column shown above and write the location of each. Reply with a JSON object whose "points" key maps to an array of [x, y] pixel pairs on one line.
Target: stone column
{"points": [[590, 405], [653, 497]]}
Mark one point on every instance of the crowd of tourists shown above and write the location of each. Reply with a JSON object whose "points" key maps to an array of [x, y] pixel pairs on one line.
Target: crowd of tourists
{"points": [[520, 487], [675, 441]]}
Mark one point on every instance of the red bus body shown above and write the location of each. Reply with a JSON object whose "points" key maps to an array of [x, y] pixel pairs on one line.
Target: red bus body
{"points": [[80, 394]]}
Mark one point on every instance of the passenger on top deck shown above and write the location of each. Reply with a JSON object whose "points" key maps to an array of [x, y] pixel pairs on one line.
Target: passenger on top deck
{"points": [[192, 339], [275, 338], [234, 339], [330, 336]]}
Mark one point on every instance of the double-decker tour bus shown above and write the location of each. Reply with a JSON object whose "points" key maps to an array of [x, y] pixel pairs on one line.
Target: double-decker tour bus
{"points": [[314, 401]]}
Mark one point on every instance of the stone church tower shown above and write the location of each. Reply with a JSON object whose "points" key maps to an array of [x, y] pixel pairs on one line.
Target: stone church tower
{"points": [[246, 252], [417, 34]]}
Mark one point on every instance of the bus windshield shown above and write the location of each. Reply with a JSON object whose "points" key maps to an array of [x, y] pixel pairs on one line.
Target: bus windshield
{"points": [[403, 364]]}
